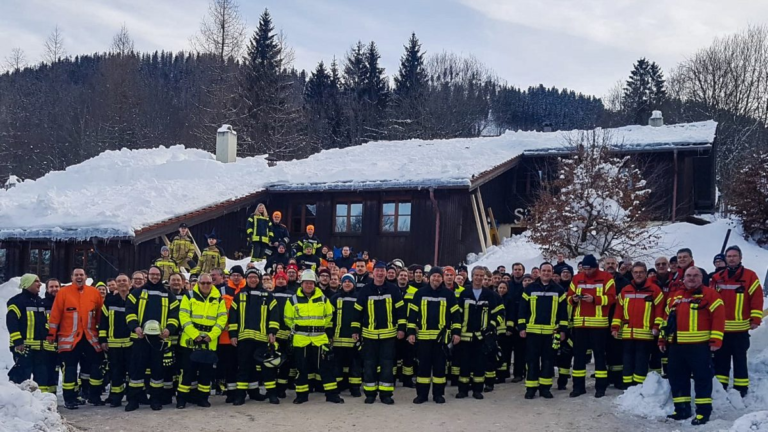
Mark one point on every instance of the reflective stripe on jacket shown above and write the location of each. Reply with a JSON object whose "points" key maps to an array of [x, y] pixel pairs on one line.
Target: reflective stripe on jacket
{"points": [[309, 318], [200, 316], [76, 314]]}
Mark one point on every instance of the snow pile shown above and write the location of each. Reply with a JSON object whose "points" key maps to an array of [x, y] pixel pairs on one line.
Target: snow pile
{"points": [[22, 408], [752, 422], [118, 192], [652, 400]]}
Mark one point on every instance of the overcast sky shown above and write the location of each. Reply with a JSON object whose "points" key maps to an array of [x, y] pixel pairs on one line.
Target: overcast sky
{"points": [[585, 45]]}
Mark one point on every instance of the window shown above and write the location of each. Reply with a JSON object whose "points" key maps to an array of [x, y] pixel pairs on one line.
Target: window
{"points": [[301, 216], [40, 263], [349, 218], [396, 217], [87, 259]]}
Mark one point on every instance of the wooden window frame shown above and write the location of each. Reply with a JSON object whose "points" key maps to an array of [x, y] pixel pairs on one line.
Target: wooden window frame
{"points": [[303, 204], [397, 202], [36, 267], [348, 216]]}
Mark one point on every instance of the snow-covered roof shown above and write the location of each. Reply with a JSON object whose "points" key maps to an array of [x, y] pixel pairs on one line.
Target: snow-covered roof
{"points": [[120, 192]]}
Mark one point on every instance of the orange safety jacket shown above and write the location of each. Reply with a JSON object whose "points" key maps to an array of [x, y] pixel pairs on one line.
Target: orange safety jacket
{"points": [[742, 295], [75, 314], [600, 286], [639, 311], [229, 292], [699, 317]]}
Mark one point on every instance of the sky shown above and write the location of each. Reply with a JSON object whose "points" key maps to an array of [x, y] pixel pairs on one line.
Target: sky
{"points": [[583, 45]]}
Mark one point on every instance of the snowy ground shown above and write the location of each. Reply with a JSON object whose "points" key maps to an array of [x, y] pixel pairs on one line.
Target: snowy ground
{"points": [[652, 400]]}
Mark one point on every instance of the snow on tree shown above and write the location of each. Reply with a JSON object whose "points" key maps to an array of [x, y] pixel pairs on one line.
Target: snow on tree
{"points": [[749, 197], [595, 205]]}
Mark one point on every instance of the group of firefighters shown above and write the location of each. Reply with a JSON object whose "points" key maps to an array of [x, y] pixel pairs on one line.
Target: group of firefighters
{"points": [[159, 335]]}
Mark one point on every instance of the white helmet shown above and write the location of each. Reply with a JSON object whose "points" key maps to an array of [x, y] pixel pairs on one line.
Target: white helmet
{"points": [[308, 275]]}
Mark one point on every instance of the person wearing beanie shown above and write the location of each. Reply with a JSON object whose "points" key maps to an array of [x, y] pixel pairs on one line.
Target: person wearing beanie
{"points": [[166, 264], [418, 276], [591, 294], [382, 319], [742, 295], [719, 262], [279, 255], [433, 314], [226, 369], [344, 347], [309, 239], [324, 282], [281, 293], [27, 327], [279, 234], [308, 260]]}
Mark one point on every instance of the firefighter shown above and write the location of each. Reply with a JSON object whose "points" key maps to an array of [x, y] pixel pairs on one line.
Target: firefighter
{"points": [[28, 330], [308, 239], [662, 279], [259, 233], [381, 319], [203, 316], [213, 256], [345, 349], [742, 295], [283, 335], [73, 324], [362, 278], [152, 305], [405, 352], [478, 324], [115, 339], [693, 329], [591, 294], [542, 322], [512, 307], [637, 318], [183, 248], [449, 279], [166, 264], [308, 314], [613, 346], [564, 357], [684, 260], [51, 357], [434, 317], [226, 368], [252, 328], [279, 232], [308, 260]]}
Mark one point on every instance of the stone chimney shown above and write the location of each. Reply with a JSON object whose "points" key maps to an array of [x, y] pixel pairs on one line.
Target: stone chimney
{"points": [[656, 119], [226, 144]]}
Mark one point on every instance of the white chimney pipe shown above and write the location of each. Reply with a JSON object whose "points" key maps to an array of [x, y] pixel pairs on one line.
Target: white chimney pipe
{"points": [[226, 144], [656, 119]]}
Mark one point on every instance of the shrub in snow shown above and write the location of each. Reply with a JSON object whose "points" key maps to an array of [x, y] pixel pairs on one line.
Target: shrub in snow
{"points": [[748, 198], [596, 205]]}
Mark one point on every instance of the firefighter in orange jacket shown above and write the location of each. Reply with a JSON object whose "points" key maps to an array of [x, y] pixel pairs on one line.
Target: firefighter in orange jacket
{"points": [[74, 324], [693, 328], [227, 365], [638, 316], [743, 298], [591, 294]]}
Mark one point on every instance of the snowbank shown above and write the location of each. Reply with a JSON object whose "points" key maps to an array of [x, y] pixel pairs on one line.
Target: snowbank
{"points": [[22, 408], [118, 192], [752, 422]]}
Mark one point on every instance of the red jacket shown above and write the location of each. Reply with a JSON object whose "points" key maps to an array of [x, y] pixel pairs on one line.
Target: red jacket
{"points": [[75, 314], [743, 298], [639, 311], [600, 286], [229, 293], [699, 317]]}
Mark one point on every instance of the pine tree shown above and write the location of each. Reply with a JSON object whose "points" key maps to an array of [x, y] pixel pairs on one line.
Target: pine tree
{"points": [[644, 91], [411, 78], [411, 86]]}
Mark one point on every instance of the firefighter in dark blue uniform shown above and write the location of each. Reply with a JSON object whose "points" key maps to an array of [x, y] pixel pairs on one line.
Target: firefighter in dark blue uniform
{"points": [[27, 327]]}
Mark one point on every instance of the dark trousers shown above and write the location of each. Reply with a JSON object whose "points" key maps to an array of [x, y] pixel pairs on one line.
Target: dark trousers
{"points": [[735, 346], [85, 355], [473, 362], [378, 366], [146, 354], [584, 339], [405, 359], [431, 368], [194, 375], [655, 363], [284, 372], [637, 354], [614, 354], [258, 251], [226, 368], [540, 361], [564, 361], [349, 365], [309, 363], [31, 363], [684, 361], [119, 359], [518, 346], [51, 360], [505, 343], [247, 375]]}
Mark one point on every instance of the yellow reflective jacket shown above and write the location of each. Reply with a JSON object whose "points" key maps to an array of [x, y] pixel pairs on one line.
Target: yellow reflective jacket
{"points": [[200, 316], [309, 318]]}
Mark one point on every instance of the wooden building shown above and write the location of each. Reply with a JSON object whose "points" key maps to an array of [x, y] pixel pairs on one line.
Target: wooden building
{"points": [[414, 219]]}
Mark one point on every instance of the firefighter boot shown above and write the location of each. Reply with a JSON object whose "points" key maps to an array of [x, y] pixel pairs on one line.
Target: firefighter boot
{"points": [[333, 398], [202, 401], [545, 392], [530, 392], [238, 397], [256, 395], [579, 387], [354, 391], [562, 382], [181, 401], [301, 398], [682, 412], [700, 420]]}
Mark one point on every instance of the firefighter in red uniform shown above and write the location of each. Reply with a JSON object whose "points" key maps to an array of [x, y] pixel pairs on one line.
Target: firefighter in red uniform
{"points": [[693, 328], [638, 316], [591, 294], [743, 298]]}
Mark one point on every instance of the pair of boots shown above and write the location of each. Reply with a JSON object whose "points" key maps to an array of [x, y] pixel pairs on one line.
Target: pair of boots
{"points": [[422, 395], [255, 394], [544, 391], [201, 400], [683, 412], [477, 391], [332, 397]]}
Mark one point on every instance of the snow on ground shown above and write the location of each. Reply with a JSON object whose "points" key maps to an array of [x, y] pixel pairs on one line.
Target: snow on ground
{"points": [[118, 192], [22, 408], [752, 422]]}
